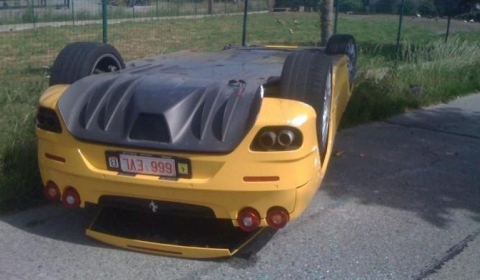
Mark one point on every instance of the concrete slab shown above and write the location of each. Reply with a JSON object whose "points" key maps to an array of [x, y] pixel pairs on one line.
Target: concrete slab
{"points": [[461, 116]]}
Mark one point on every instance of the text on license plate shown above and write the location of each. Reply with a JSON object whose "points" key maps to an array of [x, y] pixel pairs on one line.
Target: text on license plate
{"points": [[147, 165]]}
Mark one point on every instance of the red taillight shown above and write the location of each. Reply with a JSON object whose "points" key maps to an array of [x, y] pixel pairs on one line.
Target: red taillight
{"points": [[248, 219], [277, 217], [51, 191], [71, 198]]}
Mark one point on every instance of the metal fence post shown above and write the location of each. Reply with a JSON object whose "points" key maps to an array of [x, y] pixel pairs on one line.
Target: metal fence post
{"points": [[156, 8], [399, 29], [104, 20], [449, 11], [337, 6], [32, 5], [244, 31], [450, 4], [73, 12], [448, 27]]}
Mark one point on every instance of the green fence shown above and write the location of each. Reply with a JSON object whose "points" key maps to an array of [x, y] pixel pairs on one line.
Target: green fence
{"points": [[32, 32]]}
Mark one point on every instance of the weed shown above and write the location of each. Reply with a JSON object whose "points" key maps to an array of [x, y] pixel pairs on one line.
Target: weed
{"points": [[426, 74], [19, 177]]}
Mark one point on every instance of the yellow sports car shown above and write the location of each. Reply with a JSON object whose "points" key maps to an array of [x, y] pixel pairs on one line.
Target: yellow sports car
{"points": [[226, 143]]}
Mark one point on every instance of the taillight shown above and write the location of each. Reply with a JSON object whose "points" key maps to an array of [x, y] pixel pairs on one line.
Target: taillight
{"points": [[248, 219], [277, 138], [51, 191], [48, 120], [286, 138], [71, 198], [277, 217], [267, 139]]}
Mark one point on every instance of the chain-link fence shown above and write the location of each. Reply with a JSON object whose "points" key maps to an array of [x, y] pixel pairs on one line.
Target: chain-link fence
{"points": [[32, 32]]}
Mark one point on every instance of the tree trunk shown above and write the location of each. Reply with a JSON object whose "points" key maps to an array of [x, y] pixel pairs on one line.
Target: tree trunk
{"points": [[326, 21], [210, 7]]}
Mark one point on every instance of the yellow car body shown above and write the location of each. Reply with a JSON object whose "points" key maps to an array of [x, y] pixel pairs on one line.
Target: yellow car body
{"points": [[225, 183]]}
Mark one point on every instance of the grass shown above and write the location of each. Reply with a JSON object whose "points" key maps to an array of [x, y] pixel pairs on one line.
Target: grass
{"points": [[20, 184], [427, 70], [424, 74]]}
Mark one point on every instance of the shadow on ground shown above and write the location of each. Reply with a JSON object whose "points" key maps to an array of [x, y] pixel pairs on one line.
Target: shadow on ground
{"points": [[56, 222], [426, 162]]}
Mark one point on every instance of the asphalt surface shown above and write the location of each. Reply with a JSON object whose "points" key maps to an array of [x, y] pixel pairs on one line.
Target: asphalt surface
{"points": [[401, 200]]}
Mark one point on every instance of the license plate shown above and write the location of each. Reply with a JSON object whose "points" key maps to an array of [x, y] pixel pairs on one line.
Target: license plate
{"points": [[163, 166]]}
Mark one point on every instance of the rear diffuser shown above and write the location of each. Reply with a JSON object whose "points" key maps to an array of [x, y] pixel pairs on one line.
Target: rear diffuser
{"points": [[168, 234]]}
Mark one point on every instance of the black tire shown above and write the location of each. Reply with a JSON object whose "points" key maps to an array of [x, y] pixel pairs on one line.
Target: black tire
{"points": [[81, 59], [307, 77], [344, 44]]}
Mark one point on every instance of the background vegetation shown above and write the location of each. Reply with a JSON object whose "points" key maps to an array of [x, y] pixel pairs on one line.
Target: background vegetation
{"points": [[459, 8], [428, 70]]}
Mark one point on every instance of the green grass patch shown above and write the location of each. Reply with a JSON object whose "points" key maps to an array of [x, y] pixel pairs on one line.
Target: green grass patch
{"points": [[423, 75], [425, 71], [20, 184]]}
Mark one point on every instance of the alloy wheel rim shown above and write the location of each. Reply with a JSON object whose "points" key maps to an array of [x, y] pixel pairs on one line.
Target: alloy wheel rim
{"points": [[351, 54], [106, 63], [327, 100]]}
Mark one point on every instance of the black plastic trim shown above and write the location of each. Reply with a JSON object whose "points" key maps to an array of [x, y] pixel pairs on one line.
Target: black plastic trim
{"points": [[296, 144]]}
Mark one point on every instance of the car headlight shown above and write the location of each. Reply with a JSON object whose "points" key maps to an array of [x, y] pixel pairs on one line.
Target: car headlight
{"points": [[277, 138]]}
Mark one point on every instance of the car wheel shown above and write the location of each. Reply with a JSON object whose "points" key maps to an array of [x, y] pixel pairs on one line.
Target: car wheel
{"points": [[307, 77], [344, 44], [81, 59]]}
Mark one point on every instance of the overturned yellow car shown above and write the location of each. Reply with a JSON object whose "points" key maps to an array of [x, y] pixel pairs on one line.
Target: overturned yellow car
{"points": [[228, 143]]}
